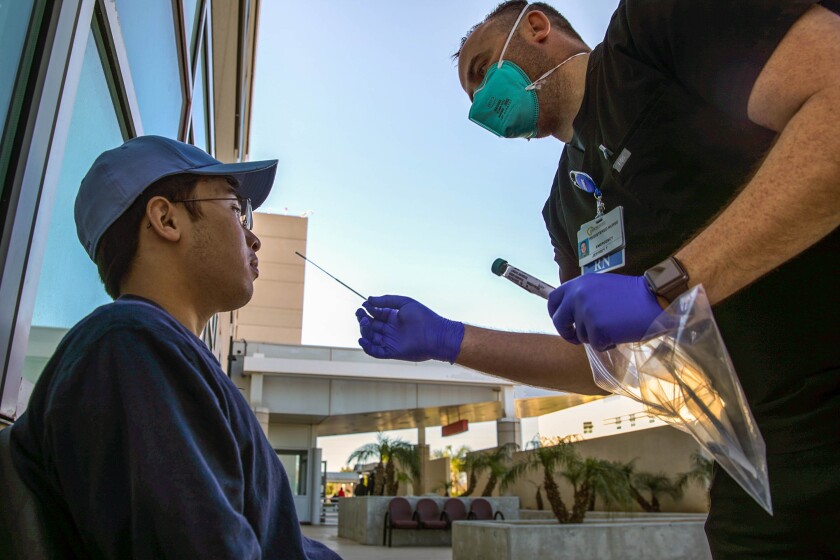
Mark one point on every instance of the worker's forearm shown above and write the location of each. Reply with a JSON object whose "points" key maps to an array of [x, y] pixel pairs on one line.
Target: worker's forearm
{"points": [[532, 359], [792, 202]]}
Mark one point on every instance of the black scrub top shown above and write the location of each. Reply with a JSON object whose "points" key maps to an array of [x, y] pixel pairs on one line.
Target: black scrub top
{"points": [[664, 132]]}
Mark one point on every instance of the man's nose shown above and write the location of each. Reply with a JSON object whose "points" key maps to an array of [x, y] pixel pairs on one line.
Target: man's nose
{"points": [[253, 241]]}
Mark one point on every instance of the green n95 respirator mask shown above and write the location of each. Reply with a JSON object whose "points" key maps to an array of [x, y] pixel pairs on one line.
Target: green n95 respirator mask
{"points": [[506, 102], [504, 105]]}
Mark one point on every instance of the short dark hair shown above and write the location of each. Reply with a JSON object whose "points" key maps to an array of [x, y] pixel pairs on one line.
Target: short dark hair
{"points": [[508, 11], [119, 243]]}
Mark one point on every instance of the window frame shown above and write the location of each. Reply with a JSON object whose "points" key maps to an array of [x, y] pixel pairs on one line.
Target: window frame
{"points": [[39, 163], [35, 175], [34, 150]]}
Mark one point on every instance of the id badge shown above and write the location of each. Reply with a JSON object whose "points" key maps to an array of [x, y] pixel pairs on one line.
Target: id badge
{"points": [[601, 237]]}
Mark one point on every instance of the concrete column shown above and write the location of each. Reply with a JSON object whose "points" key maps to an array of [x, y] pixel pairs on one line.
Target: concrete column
{"points": [[263, 418], [508, 430], [423, 451], [255, 396], [315, 485], [508, 400]]}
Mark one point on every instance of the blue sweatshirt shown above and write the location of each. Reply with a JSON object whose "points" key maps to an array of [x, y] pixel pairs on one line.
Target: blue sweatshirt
{"points": [[140, 446]]}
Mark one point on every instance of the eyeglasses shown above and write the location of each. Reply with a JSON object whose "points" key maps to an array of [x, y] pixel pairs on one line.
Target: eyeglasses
{"points": [[245, 212]]}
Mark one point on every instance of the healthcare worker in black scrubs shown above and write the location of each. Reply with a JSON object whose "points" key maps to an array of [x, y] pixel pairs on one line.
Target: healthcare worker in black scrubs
{"points": [[710, 131]]}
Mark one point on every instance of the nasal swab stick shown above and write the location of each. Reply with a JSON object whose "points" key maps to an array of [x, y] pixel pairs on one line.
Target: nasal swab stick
{"points": [[331, 276]]}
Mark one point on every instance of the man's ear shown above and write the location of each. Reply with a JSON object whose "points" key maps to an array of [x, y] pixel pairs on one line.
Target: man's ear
{"points": [[162, 219], [537, 26]]}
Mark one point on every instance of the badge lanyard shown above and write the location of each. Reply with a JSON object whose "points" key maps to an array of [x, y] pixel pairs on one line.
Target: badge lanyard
{"points": [[601, 241]]}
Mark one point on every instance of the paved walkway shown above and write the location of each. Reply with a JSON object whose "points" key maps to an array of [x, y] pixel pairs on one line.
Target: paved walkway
{"points": [[351, 550]]}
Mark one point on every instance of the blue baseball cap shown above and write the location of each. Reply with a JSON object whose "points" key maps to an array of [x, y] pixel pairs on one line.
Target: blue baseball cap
{"points": [[120, 175]]}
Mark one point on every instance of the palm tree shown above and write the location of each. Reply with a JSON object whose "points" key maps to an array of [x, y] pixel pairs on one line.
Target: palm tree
{"points": [[408, 457], [474, 466], [381, 451], [537, 495], [457, 465], [595, 476], [548, 458], [653, 484], [496, 462], [446, 486], [702, 470], [585, 475], [656, 485]]}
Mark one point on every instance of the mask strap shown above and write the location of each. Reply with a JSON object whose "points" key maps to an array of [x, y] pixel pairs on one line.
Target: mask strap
{"points": [[510, 35], [536, 83]]}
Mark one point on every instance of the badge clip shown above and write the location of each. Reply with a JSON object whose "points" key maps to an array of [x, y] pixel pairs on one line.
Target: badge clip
{"points": [[587, 184]]}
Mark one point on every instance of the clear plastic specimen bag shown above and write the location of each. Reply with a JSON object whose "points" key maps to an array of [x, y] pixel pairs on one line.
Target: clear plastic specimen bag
{"points": [[683, 375]]}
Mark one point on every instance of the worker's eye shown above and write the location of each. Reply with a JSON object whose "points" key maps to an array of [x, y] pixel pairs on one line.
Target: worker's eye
{"points": [[482, 70]]}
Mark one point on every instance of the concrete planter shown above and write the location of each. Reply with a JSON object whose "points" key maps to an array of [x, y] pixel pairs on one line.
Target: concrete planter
{"points": [[648, 536], [362, 519]]}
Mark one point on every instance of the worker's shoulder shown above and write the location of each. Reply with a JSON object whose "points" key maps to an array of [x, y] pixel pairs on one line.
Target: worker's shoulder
{"points": [[648, 14]]}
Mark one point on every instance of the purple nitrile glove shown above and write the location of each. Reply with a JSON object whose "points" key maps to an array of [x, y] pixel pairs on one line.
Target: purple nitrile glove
{"points": [[603, 309], [401, 328]]}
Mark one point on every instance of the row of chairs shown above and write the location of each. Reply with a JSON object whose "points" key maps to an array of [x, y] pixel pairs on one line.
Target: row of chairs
{"points": [[427, 515]]}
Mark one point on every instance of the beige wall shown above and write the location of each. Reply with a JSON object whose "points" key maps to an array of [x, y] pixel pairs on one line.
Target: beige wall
{"points": [[664, 449], [275, 313], [437, 471], [291, 436]]}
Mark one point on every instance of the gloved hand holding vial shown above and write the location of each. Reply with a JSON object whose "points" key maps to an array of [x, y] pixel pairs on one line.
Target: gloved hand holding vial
{"points": [[675, 364]]}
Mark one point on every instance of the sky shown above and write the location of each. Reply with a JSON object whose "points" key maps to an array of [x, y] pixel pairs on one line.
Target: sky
{"points": [[360, 102]]}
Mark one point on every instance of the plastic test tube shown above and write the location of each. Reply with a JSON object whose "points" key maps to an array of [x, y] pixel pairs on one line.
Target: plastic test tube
{"points": [[522, 279]]}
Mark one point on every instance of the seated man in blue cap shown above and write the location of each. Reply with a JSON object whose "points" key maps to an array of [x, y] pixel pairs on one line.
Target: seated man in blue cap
{"points": [[136, 442]]}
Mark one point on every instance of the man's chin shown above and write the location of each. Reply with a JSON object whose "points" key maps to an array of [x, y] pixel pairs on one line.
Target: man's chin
{"points": [[240, 300]]}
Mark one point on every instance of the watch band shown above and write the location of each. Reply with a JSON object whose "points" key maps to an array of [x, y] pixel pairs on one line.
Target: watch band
{"points": [[667, 279]]}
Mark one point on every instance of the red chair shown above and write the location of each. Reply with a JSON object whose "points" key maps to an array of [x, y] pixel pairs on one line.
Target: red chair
{"points": [[453, 510], [428, 514], [398, 516], [481, 510]]}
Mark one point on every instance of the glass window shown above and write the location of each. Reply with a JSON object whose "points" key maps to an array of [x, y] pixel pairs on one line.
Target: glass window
{"points": [[295, 463], [69, 287], [148, 30], [14, 22], [199, 105]]}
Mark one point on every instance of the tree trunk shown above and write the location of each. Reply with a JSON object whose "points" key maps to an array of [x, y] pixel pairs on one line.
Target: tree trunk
{"points": [[645, 505], [391, 478], [471, 484], [491, 485], [654, 503], [552, 492], [592, 500], [379, 479], [540, 504], [581, 504]]}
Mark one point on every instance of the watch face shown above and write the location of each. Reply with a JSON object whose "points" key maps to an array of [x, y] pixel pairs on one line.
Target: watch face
{"points": [[666, 276]]}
